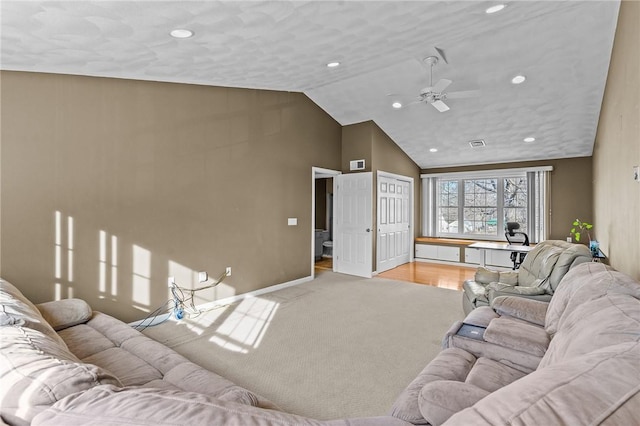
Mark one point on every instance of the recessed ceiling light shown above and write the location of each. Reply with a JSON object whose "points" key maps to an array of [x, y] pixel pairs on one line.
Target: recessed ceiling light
{"points": [[494, 9], [529, 139], [333, 64], [518, 79], [181, 33], [396, 105], [433, 150]]}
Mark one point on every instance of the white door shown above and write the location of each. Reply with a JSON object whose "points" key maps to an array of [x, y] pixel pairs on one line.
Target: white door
{"points": [[353, 222], [394, 223]]}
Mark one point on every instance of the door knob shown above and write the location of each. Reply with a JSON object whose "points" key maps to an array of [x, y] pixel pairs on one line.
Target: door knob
{"points": [[368, 230]]}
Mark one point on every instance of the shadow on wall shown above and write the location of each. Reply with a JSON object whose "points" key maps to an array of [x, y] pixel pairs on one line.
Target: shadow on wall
{"points": [[125, 274]]}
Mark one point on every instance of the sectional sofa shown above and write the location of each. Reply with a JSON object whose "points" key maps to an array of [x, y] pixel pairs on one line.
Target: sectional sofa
{"points": [[572, 361]]}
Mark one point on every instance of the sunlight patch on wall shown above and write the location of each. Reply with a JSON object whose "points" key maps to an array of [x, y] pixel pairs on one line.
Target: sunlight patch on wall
{"points": [[60, 251], [245, 327], [107, 265], [141, 280]]}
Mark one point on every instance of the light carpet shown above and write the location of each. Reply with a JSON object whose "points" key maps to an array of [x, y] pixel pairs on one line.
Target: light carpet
{"points": [[335, 347]]}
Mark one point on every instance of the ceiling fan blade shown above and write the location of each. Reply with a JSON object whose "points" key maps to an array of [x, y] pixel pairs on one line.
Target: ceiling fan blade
{"points": [[441, 85], [442, 55], [440, 106], [463, 94]]}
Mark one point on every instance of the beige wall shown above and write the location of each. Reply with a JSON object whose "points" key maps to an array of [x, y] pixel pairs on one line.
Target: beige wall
{"points": [[173, 178], [571, 189], [617, 150], [367, 141]]}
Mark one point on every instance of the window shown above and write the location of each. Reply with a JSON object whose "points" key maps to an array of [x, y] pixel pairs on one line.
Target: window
{"points": [[478, 205]]}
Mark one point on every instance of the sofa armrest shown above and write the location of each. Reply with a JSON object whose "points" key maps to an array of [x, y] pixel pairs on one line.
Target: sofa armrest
{"points": [[451, 364], [530, 310], [65, 313]]}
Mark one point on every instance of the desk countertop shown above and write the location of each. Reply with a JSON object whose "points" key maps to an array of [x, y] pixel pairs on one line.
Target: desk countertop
{"points": [[500, 246]]}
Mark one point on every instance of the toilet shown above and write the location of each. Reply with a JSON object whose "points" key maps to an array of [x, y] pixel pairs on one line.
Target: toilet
{"points": [[327, 249]]}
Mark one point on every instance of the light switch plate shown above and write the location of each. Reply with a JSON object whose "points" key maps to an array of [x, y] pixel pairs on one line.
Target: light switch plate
{"points": [[292, 221]]}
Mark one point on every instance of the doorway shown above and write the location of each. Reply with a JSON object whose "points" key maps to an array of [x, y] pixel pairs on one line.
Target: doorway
{"points": [[322, 219]]}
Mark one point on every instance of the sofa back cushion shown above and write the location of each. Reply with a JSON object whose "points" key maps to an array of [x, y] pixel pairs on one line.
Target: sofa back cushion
{"points": [[606, 321], [538, 265], [586, 282], [572, 255], [17, 310]]}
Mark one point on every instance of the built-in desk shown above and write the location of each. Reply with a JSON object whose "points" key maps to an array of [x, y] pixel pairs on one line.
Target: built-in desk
{"points": [[484, 246]]}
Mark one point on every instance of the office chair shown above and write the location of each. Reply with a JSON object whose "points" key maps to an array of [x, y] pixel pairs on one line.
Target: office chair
{"points": [[516, 237]]}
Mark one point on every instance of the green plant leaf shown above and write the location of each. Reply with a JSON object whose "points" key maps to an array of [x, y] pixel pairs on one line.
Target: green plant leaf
{"points": [[573, 231], [588, 225], [576, 222], [577, 236]]}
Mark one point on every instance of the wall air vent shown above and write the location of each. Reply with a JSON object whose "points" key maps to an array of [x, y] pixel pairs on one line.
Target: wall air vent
{"points": [[356, 165], [478, 143]]}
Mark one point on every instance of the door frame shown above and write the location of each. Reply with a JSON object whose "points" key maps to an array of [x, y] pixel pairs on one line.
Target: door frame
{"points": [[410, 240], [320, 173]]}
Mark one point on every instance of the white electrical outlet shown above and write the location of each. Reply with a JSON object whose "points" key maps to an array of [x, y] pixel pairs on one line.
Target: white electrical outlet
{"points": [[171, 282], [203, 276], [228, 271]]}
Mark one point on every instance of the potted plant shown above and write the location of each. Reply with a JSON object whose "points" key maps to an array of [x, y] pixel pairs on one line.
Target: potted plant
{"points": [[579, 229]]}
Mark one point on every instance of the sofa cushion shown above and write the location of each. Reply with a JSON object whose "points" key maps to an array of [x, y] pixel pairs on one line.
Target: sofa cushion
{"points": [[532, 311], [491, 375], [110, 406], [517, 334], [37, 371], [138, 360], [61, 314], [587, 389], [441, 399]]}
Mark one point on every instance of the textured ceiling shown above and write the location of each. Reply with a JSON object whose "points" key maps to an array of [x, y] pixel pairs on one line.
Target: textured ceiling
{"points": [[563, 47]]}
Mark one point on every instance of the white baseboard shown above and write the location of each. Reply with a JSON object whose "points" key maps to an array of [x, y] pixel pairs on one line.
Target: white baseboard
{"points": [[228, 300]]}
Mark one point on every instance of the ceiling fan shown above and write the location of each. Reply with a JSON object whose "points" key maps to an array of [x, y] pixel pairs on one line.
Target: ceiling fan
{"points": [[434, 94]]}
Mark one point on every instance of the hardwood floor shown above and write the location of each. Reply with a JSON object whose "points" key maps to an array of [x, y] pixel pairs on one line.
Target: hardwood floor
{"points": [[434, 274]]}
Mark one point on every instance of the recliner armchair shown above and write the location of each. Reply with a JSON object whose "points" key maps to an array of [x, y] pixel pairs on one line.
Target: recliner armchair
{"points": [[537, 277]]}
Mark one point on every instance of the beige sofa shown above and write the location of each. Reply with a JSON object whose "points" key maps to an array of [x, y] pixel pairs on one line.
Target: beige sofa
{"points": [[572, 361], [537, 278], [63, 364]]}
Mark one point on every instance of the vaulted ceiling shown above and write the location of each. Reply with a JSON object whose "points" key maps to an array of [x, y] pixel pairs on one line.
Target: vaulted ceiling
{"points": [[563, 49]]}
